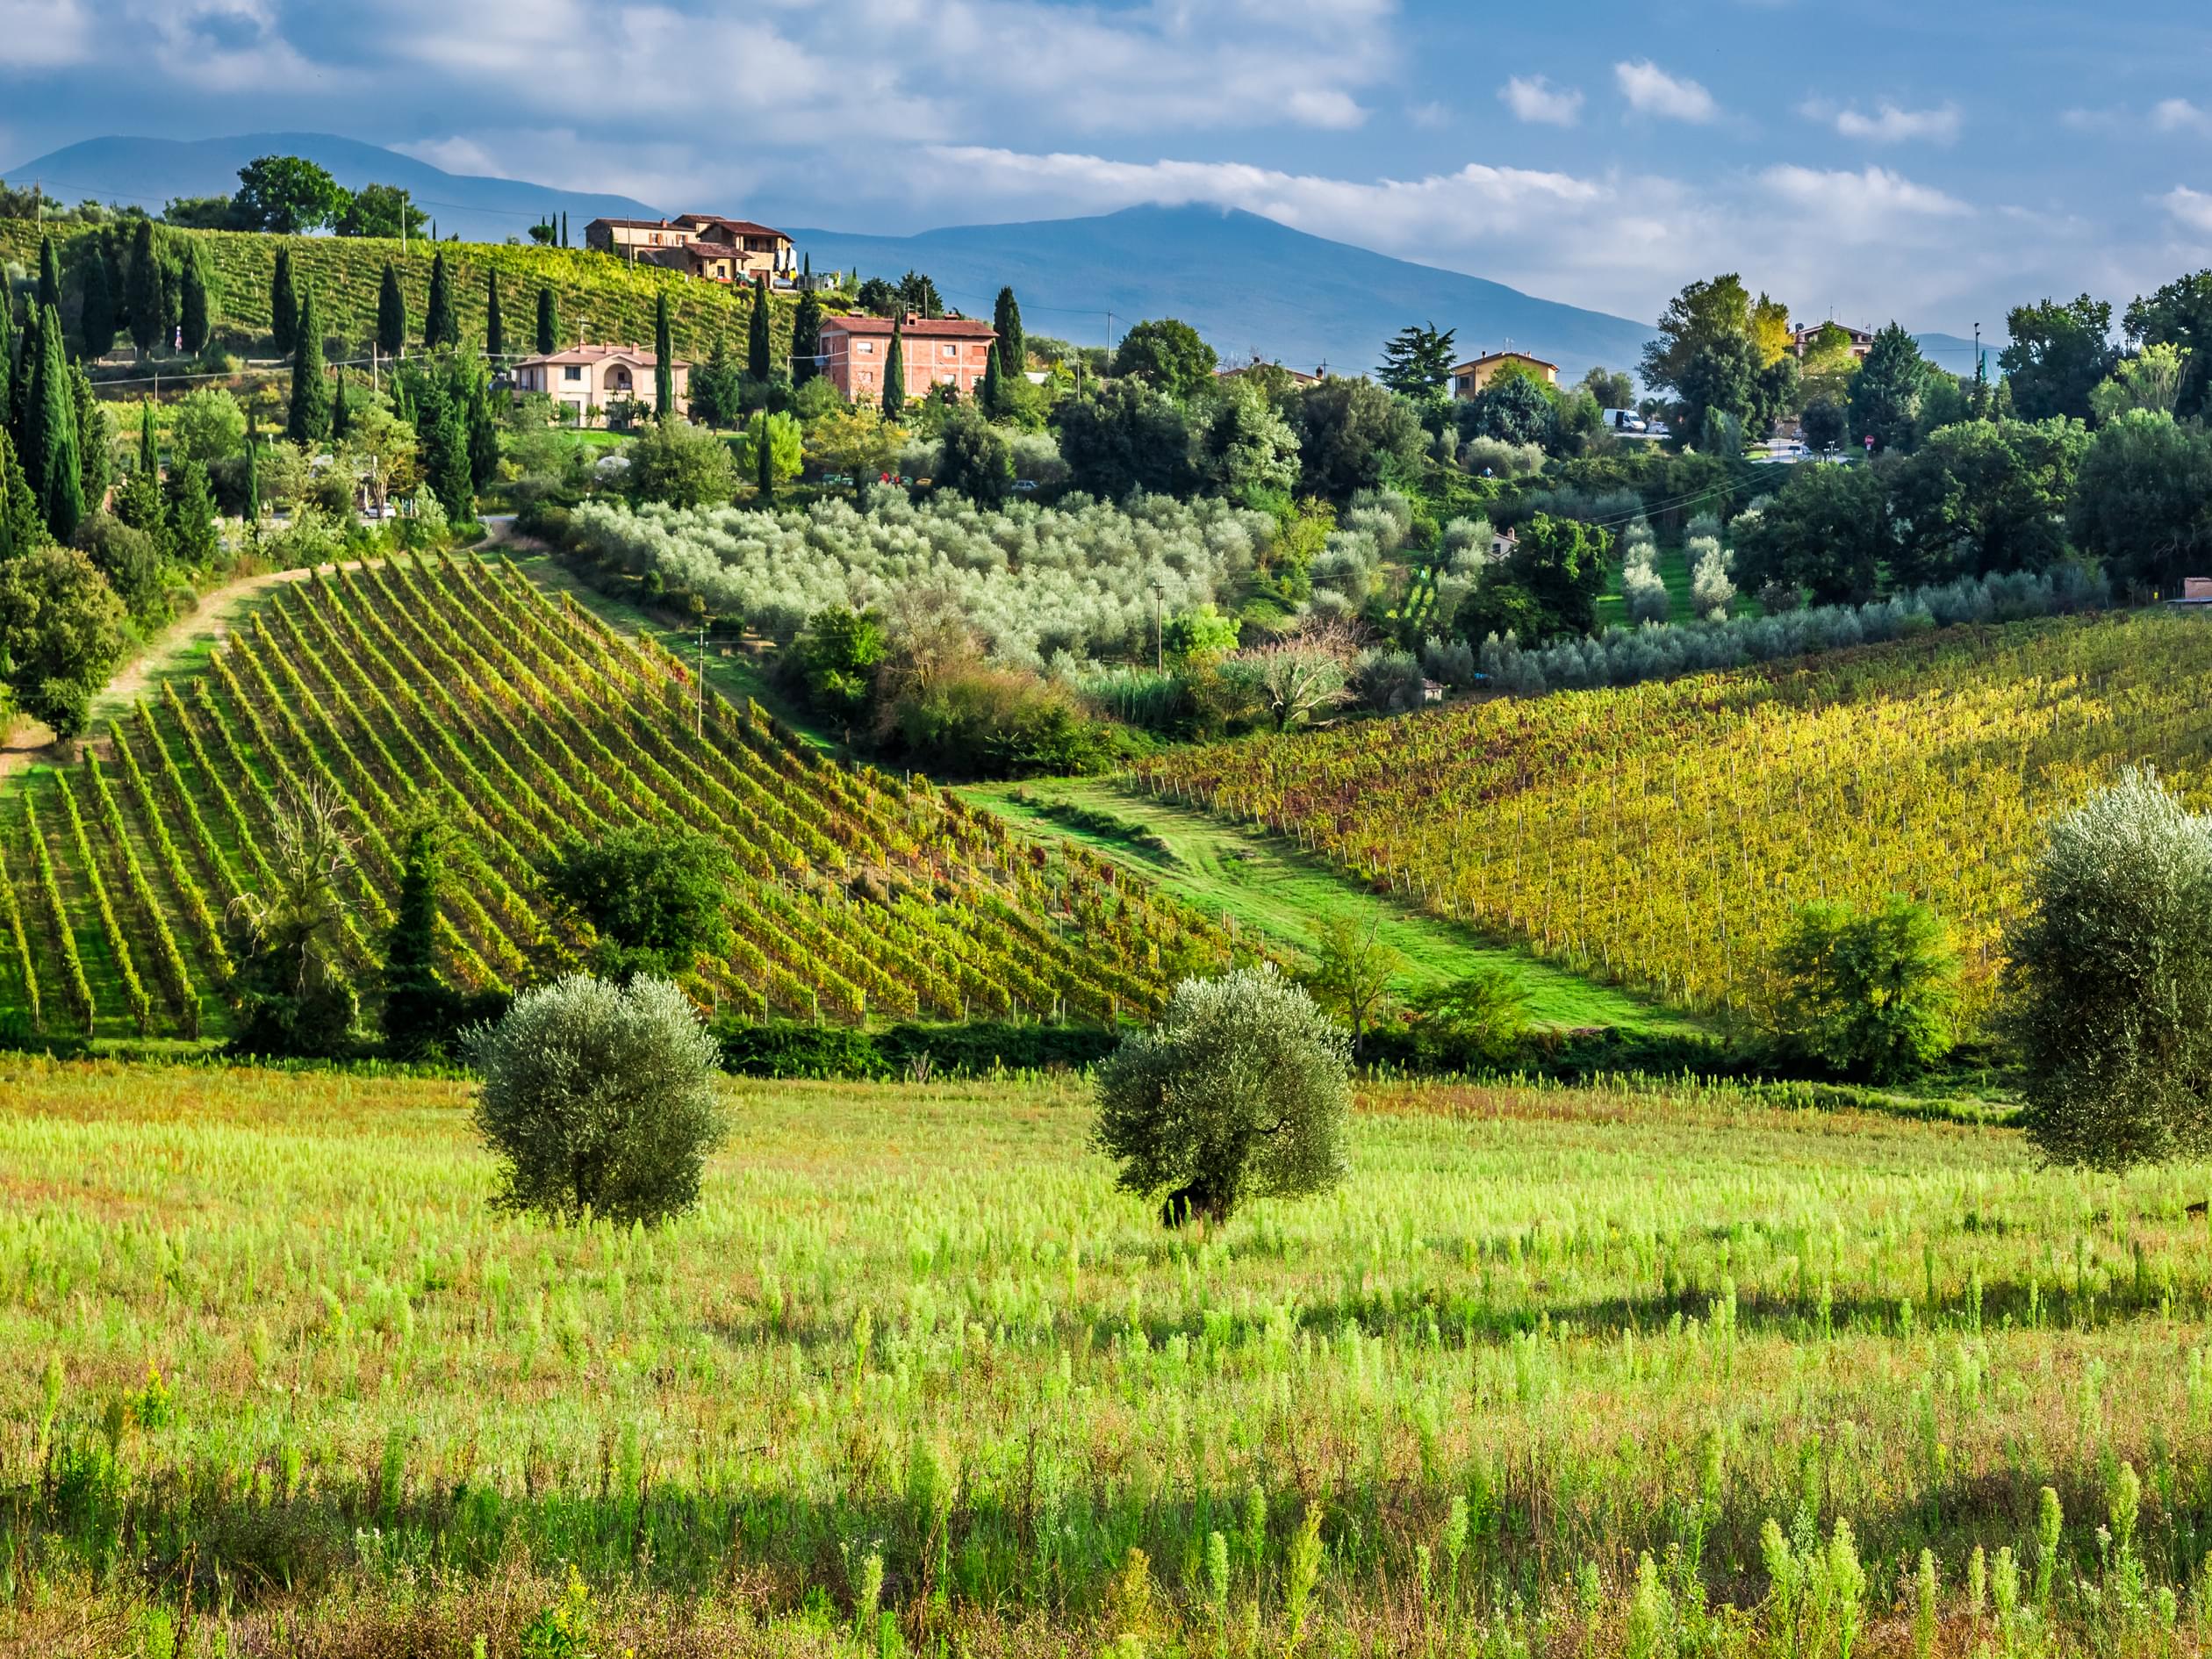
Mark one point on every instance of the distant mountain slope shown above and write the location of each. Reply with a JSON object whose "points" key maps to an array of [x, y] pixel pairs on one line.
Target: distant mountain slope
{"points": [[1246, 283], [149, 171]]}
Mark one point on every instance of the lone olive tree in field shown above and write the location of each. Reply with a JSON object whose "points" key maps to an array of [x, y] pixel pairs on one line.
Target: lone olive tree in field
{"points": [[598, 1099], [2107, 982], [1239, 1092]]}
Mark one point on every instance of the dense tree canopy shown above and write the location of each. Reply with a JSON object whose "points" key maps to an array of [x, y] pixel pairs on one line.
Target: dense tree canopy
{"points": [[1168, 355], [1826, 532], [381, 210], [2179, 315], [286, 194], [2058, 353], [1128, 436], [1983, 496], [1353, 435], [2142, 501]]}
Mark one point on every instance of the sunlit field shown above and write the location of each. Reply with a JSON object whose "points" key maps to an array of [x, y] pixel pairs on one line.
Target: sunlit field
{"points": [[915, 1378]]}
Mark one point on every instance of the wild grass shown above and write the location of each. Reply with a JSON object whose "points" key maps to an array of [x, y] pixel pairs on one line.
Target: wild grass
{"points": [[915, 1378]]}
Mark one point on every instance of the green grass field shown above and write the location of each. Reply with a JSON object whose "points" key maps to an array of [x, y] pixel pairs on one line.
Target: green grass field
{"points": [[280, 1382], [1265, 885]]}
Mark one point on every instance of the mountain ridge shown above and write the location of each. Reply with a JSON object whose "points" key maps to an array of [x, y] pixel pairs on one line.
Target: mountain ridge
{"points": [[147, 172], [1250, 284]]}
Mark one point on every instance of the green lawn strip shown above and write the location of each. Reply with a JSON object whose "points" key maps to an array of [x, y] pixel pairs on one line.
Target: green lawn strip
{"points": [[736, 675], [1674, 570], [1267, 884]]}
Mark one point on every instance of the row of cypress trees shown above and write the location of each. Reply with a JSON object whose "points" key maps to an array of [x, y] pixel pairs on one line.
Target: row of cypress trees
{"points": [[442, 322], [154, 287]]}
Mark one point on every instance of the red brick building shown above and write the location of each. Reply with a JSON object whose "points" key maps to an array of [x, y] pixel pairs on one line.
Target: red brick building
{"points": [[953, 350]]}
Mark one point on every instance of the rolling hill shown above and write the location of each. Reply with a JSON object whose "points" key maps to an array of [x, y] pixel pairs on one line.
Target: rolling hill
{"points": [[1247, 284], [147, 172], [455, 683]]}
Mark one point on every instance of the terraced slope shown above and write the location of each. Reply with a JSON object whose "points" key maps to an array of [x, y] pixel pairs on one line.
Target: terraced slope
{"points": [[599, 297], [861, 896]]}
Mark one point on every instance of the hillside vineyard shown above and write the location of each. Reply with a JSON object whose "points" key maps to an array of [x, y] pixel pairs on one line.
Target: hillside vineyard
{"points": [[456, 680], [1663, 834]]}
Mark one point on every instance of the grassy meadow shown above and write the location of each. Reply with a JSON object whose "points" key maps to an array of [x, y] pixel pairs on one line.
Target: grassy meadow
{"points": [[915, 1379]]}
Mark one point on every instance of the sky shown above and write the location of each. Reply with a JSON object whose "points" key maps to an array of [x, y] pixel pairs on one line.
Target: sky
{"points": [[1935, 162]]}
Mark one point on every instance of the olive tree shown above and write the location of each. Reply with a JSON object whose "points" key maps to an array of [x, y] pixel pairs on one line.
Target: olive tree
{"points": [[598, 1099], [2107, 981], [1239, 1092]]}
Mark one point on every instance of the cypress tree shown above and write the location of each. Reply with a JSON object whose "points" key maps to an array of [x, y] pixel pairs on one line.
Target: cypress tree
{"points": [[565, 240], [664, 359], [340, 417], [96, 311], [50, 461], [49, 275], [1006, 317], [895, 374], [760, 354], [18, 410], [764, 462], [192, 305], [416, 1001], [249, 509], [440, 326], [20, 528], [806, 338], [283, 305], [309, 422], [7, 359], [494, 333], [484, 439], [992, 394], [149, 456], [392, 315], [549, 324], [95, 441], [448, 465], [192, 515], [144, 289]]}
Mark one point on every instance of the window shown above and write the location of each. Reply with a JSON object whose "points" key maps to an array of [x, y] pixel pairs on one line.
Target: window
{"points": [[866, 348], [571, 371], [948, 351]]}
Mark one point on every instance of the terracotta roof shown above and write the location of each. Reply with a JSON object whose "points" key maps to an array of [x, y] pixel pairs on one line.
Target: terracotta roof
{"points": [[1500, 357], [636, 224], [916, 327], [741, 226]]}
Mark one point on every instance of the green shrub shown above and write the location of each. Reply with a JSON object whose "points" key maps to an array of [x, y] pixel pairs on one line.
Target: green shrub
{"points": [[1870, 995], [1480, 1016], [598, 1099], [654, 896], [1241, 1091]]}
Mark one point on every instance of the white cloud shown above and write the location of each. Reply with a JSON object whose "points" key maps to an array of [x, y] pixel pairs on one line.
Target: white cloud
{"points": [[2178, 115], [1433, 116], [1325, 106], [1859, 205], [43, 34], [1651, 91], [1614, 240], [1532, 97], [2191, 209], [1890, 124]]}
